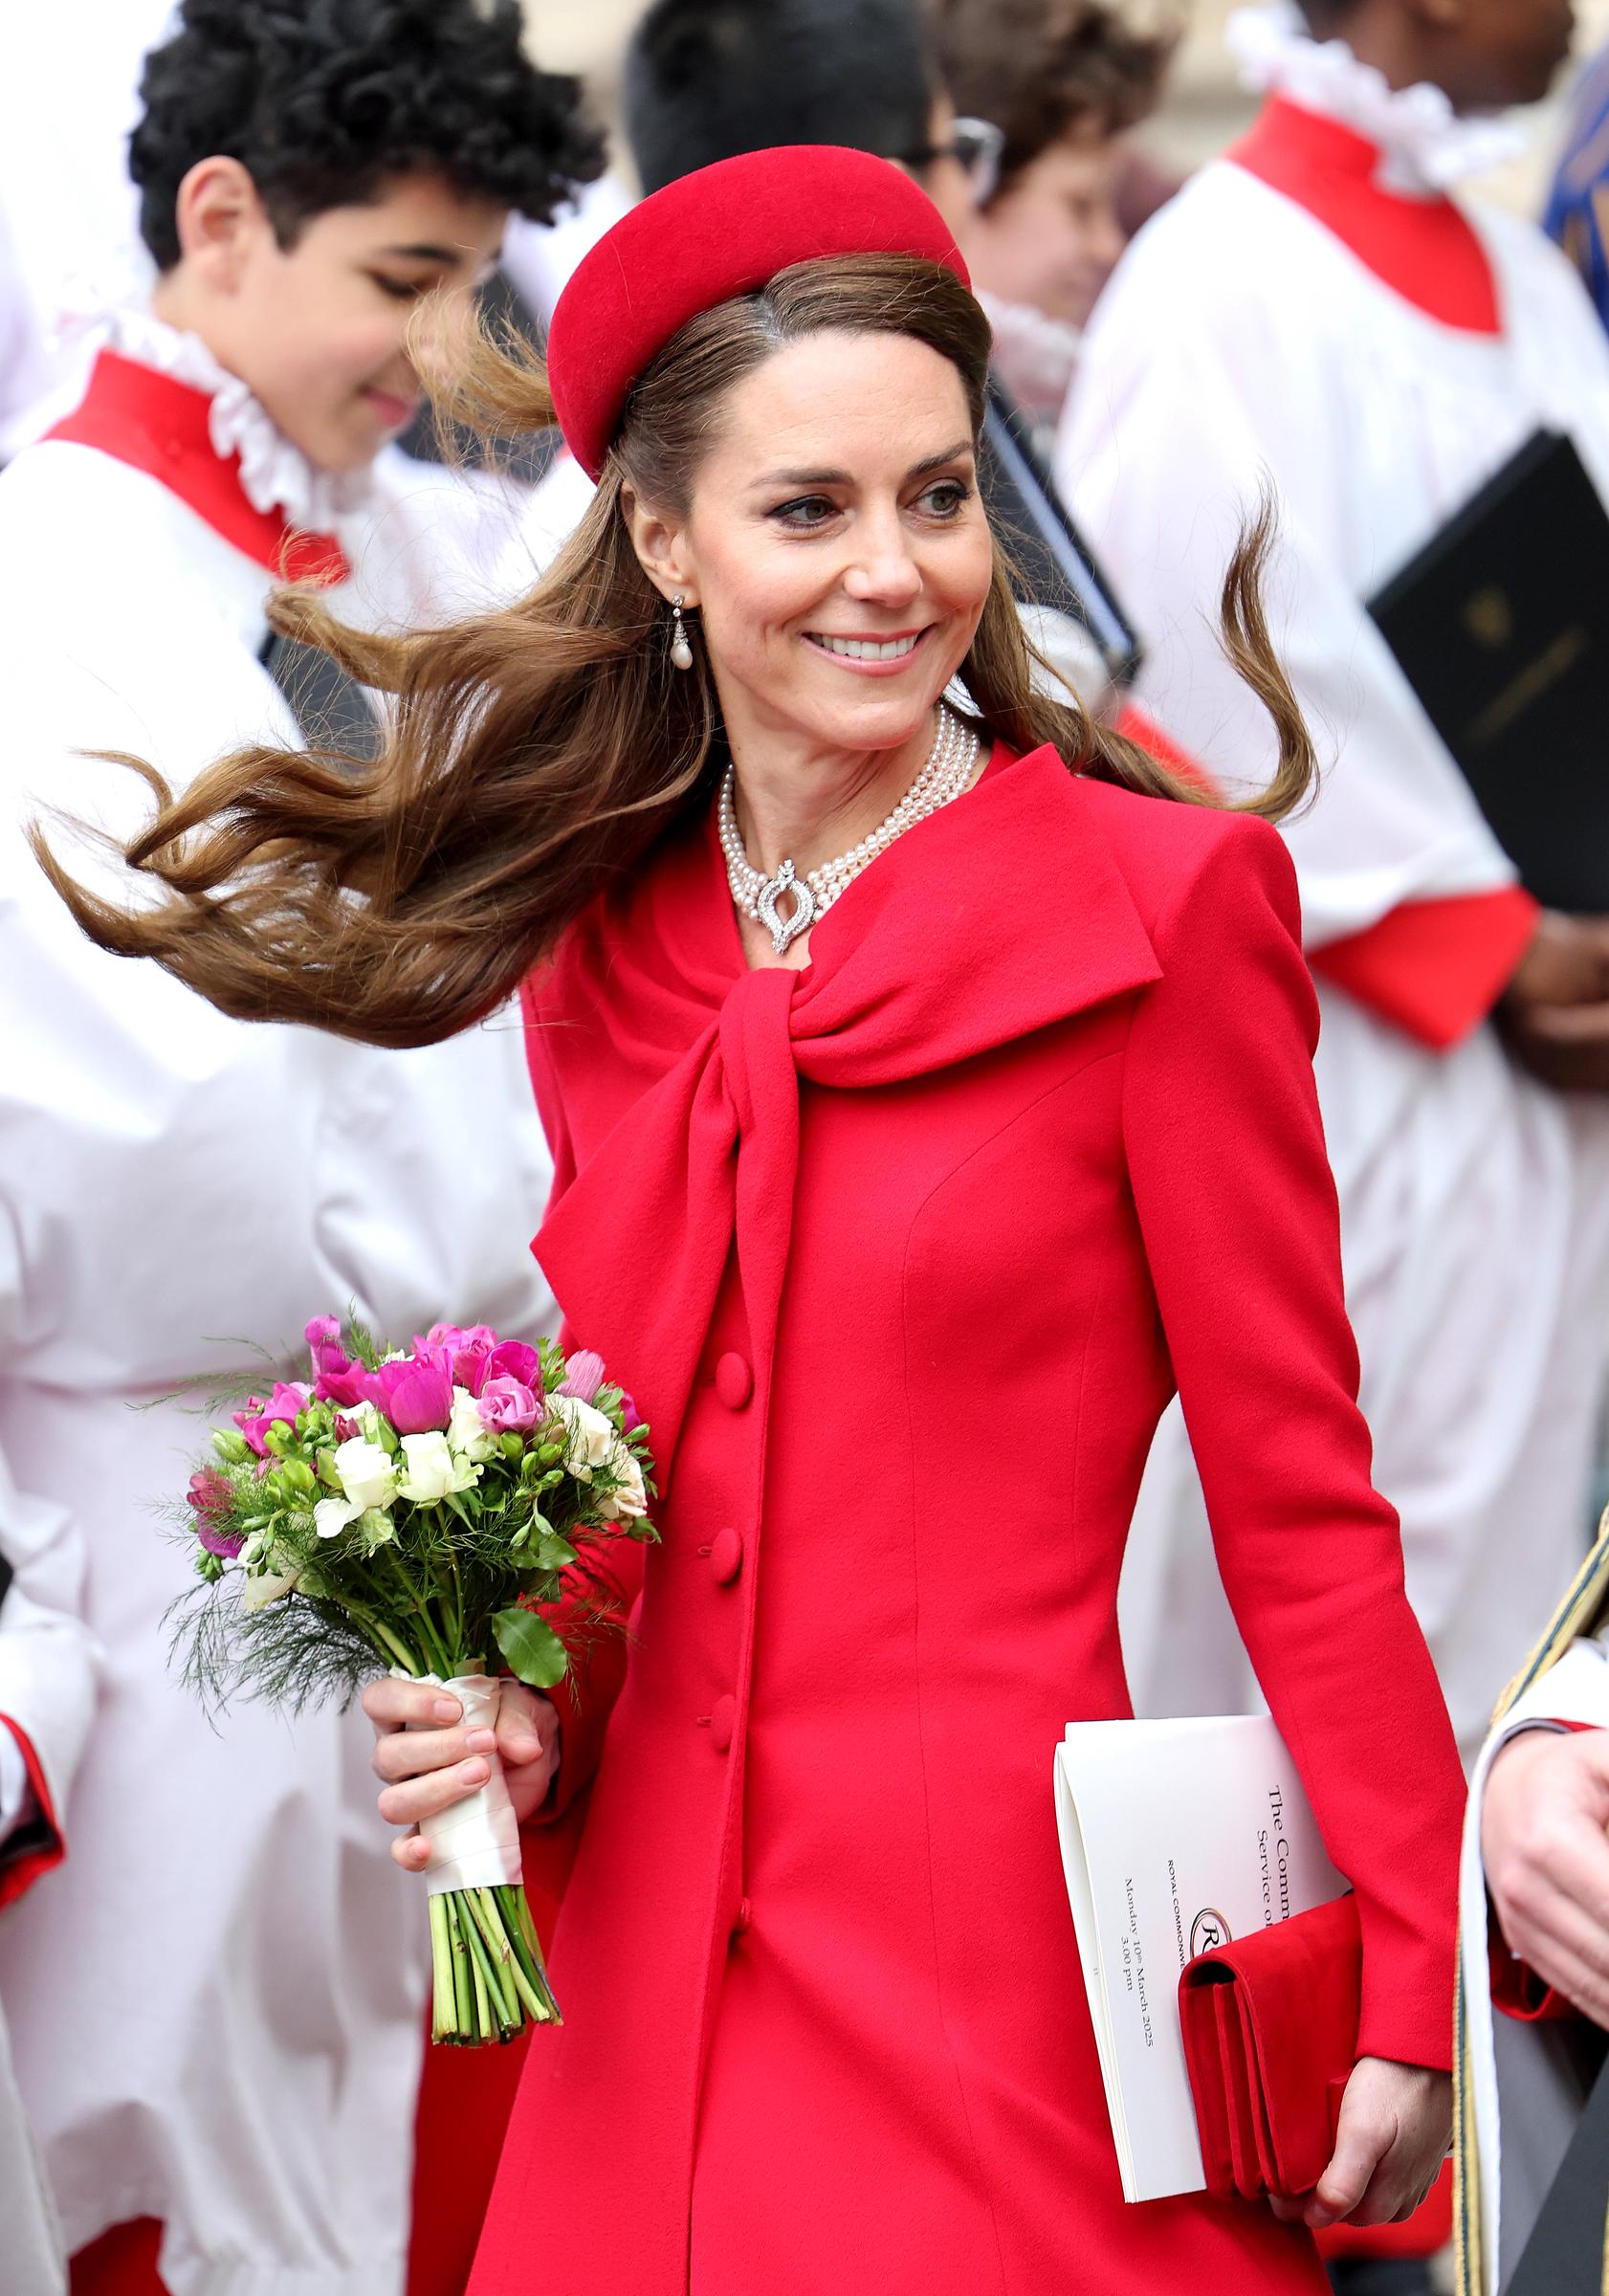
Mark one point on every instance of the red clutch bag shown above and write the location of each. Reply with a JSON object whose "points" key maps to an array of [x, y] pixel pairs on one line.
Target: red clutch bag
{"points": [[1270, 2038]]}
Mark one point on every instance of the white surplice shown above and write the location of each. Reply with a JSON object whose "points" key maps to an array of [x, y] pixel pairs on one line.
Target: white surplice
{"points": [[216, 2003], [1240, 337]]}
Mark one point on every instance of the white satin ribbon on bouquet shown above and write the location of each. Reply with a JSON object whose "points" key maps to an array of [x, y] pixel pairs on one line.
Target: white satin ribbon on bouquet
{"points": [[475, 1843]]}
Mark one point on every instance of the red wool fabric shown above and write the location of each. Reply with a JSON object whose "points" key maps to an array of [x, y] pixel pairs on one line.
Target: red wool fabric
{"points": [[1427, 249], [719, 232], [964, 1199], [156, 424]]}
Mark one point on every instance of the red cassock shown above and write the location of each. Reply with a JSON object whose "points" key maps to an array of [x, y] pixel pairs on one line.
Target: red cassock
{"points": [[901, 1256]]}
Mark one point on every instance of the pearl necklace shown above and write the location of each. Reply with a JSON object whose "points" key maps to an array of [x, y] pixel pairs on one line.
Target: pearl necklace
{"points": [[941, 779]]}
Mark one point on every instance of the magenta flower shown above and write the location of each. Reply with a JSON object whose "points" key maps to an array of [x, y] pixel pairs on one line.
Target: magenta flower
{"points": [[513, 1360], [289, 1397], [415, 1393], [508, 1407], [212, 1499], [584, 1374], [630, 1415], [456, 1335], [335, 1379]]}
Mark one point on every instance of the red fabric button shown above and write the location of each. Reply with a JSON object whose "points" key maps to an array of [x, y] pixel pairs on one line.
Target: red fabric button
{"points": [[721, 1722], [745, 1916], [734, 1381], [726, 1557]]}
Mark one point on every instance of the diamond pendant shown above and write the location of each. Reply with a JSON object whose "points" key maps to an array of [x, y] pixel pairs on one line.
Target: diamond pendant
{"points": [[783, 930]]}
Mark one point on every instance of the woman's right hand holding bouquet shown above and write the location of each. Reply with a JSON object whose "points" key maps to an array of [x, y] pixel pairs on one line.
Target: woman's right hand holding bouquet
{"points": [[428, 1760]]}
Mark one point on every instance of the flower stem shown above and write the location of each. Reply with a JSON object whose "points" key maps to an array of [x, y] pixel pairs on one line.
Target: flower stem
{"points": [[443, 2001]]}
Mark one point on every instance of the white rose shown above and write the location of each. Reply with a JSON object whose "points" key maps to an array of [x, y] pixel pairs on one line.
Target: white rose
{"points": [[367, 1475], [588, 1436], [263, 1587], [432, 1471], [331, 1516], [466, 1430], [628, 1497]]}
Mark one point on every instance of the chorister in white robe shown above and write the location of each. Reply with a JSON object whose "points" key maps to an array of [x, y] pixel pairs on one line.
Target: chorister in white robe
{"points": [[215, 2003], [1313, 308]]}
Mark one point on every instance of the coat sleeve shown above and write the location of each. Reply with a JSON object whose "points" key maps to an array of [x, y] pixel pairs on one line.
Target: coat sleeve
{"points": [[50, 1664], [601, 1588], [1239, 1217]]}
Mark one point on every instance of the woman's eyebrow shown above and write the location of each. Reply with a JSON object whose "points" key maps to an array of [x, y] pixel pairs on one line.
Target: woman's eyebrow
{"points": [[824, 477]]}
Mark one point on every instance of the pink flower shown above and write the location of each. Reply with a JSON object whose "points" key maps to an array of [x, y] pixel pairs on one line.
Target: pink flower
{"points": [[513, 1360], [335, 1379], [630, 1415], [584, 1375], [471, 1349], [289, 1397], [508, 1407], [415, 1393]]}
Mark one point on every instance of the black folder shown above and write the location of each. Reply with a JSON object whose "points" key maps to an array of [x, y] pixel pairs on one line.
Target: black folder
{"points": [[1051, 563], [1501, 625]]}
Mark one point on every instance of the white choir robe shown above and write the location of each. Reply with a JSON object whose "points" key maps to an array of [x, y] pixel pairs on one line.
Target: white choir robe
{"points": [[49, 1670], [216, 2003], [1242, 336]]}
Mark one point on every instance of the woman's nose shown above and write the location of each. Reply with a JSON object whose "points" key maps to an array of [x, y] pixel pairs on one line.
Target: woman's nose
{"points": [[884, 568]]}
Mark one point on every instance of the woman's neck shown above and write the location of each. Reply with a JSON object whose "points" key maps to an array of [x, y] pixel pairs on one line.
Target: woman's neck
{"points": [[806, 805]]}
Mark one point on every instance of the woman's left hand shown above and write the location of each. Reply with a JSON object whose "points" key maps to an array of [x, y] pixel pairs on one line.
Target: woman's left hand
{"points": [[1395, 2128]]}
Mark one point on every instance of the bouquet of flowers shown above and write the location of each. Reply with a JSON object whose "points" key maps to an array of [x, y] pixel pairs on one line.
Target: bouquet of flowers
{"points": [[417, 1507]]}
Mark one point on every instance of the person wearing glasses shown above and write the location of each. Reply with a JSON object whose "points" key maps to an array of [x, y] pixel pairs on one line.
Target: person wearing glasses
{"points": [[1067, 84]]}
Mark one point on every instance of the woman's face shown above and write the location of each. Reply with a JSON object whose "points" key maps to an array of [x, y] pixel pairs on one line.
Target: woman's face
{"points": [[835, 543], [1051, 237]]}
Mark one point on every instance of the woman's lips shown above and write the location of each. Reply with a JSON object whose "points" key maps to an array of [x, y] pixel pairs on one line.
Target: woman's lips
{"points": [[884, 655]]}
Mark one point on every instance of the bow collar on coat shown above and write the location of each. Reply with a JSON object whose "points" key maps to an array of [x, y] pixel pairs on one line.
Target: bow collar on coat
{"points": [[1003, 914]]}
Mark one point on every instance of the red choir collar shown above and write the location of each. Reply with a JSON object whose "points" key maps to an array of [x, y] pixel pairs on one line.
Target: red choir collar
{"points": [[1425, 249], [157, 424]]}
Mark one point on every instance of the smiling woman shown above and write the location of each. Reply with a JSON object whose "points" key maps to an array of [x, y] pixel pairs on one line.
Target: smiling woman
{"points": [[915, 1073], [792, 464]]}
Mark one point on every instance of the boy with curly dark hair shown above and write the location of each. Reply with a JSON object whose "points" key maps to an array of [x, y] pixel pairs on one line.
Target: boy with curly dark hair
{"points": [[220, 2050]]}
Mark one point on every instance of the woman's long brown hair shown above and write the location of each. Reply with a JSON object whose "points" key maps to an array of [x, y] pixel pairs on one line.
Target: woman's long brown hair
{"points": [[531, 755]]}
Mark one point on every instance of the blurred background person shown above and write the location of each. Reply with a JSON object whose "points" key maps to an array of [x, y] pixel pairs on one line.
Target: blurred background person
{"points": [[219, 2048], [49, 1666], [1065, 81], [1317, 309]]}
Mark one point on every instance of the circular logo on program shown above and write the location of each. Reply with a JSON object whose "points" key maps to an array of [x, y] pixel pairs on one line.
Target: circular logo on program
{"points": [[1208, 1932]]}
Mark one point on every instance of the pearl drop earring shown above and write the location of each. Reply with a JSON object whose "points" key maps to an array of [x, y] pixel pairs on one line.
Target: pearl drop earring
{"points": [[681, 652]]}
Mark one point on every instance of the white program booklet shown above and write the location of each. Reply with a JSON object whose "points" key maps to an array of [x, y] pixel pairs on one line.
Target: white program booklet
{"points": [[1175, 1837]]}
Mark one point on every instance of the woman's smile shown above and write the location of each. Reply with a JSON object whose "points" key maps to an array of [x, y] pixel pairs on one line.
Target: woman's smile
{"points": [[872, 656]]}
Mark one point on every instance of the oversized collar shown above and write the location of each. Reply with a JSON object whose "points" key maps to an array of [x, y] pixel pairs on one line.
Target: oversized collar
{"points": [[1421, 245], [1421, 144], [155, 423], [1002, 914]]}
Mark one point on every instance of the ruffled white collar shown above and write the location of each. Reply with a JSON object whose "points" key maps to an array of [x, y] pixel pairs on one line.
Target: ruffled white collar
{"points": [[1423, 144], [276, 475], [1035, 353]]}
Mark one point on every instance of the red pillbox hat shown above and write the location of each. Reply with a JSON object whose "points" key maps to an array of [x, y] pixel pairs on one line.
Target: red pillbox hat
{"points": [[722, 232]]}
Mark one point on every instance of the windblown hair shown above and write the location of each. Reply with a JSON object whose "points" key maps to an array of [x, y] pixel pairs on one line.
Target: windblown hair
{"points": [[1043, 70], [533, 754], [322, 101]]}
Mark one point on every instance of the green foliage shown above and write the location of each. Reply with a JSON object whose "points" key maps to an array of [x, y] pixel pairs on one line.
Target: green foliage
{"points": [[533, 1650]]}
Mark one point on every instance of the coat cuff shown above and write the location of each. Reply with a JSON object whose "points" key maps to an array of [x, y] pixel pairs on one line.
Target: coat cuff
{"points": [[37, 1843], [1434, 969]]}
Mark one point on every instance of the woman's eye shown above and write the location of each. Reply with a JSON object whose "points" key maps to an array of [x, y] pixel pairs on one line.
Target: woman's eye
{"points": [[805, 510], [400, 291], [943, 500]]}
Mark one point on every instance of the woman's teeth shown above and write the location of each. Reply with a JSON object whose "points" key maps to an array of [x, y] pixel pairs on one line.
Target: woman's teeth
{"points": [[868, 650]]}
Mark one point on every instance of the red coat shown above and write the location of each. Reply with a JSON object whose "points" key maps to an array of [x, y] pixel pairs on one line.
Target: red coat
{"points": [[1034, 1137]]}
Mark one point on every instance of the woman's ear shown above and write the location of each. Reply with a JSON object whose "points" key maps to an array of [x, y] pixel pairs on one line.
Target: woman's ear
{"points": [[662, 548], [219, 215]]}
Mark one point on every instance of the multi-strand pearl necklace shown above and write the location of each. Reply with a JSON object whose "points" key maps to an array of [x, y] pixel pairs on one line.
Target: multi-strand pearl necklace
{"points": [[946, 773]]}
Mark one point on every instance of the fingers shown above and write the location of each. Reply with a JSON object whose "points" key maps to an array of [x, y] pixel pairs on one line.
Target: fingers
{"points": [[1364, 2137], [527, 1725], [392, 1703], [412, 1852], [411, 1753], [417, 1798]]}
